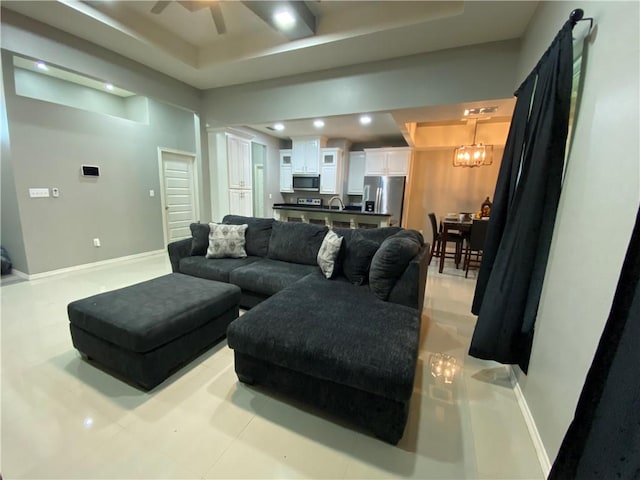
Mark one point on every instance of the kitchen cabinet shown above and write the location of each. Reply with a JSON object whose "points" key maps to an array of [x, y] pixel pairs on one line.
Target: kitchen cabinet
{"points": [[241, 202], [306, 155], [355, 177], [239, 162], [286, 171], [331, 171], [387, 161]]}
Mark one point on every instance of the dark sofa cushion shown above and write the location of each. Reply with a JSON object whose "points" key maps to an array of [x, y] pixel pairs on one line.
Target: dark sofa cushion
{"points": [[213, 269], [334, 331], [357, 258], [296, 242], [391, 260], [200, 238], [268, 276], [146, 315], [376, 235], [257, 235]]}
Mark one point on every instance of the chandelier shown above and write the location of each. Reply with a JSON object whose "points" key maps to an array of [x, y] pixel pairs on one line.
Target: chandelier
{"points": [[475, 155]]}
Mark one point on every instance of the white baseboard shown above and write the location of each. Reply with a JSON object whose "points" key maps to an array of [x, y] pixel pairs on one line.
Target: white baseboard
{"points": [[84, 266], [543, 458], [20, 274]]}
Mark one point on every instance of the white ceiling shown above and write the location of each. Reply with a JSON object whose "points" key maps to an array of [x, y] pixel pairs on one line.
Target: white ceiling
{"points": [[185, 44]]}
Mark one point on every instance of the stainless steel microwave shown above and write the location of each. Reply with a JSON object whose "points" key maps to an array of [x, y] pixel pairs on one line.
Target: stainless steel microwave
{"points": [[307, 183]]}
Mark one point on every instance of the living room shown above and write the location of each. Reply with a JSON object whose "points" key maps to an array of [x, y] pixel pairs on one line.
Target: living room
{"points": [[45, 237]]}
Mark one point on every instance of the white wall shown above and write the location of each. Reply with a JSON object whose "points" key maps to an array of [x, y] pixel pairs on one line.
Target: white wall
{"points": [[48, 142], [599, 201]]}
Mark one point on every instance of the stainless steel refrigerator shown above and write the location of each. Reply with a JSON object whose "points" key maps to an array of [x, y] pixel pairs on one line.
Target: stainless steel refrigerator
{"points": [[384, 195]]}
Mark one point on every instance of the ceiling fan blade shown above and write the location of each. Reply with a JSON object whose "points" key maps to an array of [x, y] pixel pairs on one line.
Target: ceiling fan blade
{"points": [[160, 6], [218, 18]]}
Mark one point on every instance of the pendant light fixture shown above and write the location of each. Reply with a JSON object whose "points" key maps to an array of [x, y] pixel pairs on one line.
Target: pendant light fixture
{"points": [[474, 155]]}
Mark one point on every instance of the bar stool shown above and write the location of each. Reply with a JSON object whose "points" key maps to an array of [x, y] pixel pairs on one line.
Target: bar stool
{"points": [[475, 244], [437, 239]]}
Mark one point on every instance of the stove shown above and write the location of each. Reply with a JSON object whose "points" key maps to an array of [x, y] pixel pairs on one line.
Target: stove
{"points": [[310, 202]]}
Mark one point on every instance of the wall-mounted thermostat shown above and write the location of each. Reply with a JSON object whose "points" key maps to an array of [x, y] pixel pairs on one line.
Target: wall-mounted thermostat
{"points": [[90, 171]]}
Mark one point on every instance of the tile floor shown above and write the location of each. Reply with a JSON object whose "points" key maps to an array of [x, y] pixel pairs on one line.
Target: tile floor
{"points": [[63, 418]]}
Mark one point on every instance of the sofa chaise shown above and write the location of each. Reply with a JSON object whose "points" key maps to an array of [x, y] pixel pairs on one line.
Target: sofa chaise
{"points": [[347, 344]]}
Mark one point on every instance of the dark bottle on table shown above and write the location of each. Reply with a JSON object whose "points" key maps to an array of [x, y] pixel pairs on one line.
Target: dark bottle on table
{"points": [[486, 208]]}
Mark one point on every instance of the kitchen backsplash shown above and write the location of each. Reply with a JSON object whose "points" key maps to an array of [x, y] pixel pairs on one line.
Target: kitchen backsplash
{"points": [[347, 199]]}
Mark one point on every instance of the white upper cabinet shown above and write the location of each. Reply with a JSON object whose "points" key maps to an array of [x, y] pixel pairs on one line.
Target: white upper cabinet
{"points": [[331, 171], [239, 162], [387, 161], [355, 178], [286, 171], [306, 155]]}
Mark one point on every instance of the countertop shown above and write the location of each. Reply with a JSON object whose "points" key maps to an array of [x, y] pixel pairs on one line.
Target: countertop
{"points": [[303, 208]]}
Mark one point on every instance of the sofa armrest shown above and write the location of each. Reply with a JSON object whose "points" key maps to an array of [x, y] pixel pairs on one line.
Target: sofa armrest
{"points": [[177, 251], [409, 289]]}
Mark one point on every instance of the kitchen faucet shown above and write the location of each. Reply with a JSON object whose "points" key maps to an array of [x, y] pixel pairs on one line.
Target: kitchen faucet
{"points": [[339, 201]]}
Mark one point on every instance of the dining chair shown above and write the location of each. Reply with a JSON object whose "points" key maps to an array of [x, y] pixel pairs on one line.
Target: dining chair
{"points": [[475, 244], [437, 240]]}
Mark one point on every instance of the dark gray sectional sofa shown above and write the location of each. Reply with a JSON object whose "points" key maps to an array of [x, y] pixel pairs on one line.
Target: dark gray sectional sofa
{"points": [[348, 344]]}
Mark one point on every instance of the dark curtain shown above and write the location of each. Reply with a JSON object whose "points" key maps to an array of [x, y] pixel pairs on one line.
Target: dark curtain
{"points": [[524, 210], [603, 440]]}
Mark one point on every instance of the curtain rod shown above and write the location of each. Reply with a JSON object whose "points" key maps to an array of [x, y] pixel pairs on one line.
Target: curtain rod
{"points": [[575, 16]]}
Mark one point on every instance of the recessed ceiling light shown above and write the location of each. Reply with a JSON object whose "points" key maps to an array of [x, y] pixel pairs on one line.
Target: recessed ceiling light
{"points": [[108, 86], [365, 119], [42, 66], [318, 123], [279, 126], [284, 19]]}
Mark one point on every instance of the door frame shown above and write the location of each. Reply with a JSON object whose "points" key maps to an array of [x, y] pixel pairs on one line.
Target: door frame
{"points": [[196, 192]]}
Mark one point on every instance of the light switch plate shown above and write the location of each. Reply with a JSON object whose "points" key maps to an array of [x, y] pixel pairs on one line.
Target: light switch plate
{"points": [[38, 192]]}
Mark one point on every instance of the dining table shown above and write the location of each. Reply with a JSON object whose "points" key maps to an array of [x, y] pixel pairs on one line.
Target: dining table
{"points": [[450, 224]]}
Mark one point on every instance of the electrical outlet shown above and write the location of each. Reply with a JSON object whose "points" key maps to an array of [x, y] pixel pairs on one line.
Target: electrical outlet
{"points": [[96, 242], [152, 193]]}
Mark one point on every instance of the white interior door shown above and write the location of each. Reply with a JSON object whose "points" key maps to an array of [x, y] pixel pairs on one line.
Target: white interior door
{"points": [[258, 190], [178, 194]]}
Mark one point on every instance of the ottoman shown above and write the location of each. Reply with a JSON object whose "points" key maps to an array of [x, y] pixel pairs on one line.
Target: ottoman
{"points": [[146, 331]]}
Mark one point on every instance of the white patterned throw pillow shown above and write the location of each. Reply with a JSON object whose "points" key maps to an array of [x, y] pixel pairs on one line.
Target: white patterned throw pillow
{"points": [[226, 241], [329, 252]]}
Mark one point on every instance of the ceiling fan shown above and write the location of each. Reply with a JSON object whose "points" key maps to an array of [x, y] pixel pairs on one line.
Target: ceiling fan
{"points": [[193, 6]]}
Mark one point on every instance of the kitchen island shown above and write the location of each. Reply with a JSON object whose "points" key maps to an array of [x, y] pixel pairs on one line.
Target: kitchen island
{"points": [[333, 218]]}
